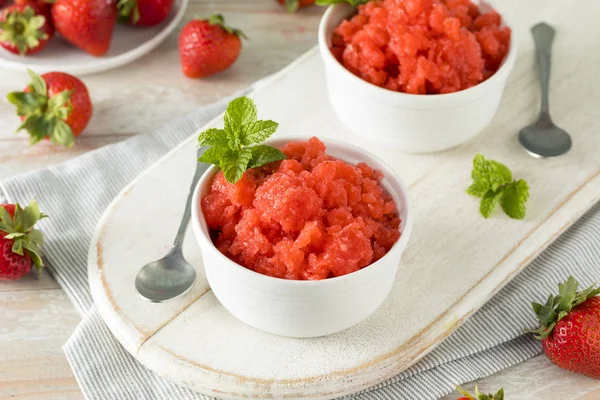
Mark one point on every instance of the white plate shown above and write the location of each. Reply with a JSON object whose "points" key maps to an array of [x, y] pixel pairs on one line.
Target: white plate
{"points": [[128, 44]]}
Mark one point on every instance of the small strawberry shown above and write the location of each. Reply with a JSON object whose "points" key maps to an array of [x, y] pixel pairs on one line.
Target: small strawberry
{"points": [[293, 5], [55, 106], [570, 328], [24, 29], [144, 12], [208, 46], [19, 241], [88, 24], [480, 396]]}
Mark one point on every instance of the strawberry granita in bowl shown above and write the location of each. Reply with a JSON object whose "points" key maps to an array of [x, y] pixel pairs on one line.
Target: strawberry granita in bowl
{"points": [[416, 75], [307, 246]]}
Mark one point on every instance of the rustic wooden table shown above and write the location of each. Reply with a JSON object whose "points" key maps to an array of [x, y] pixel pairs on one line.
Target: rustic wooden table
{"points": [[36, 317]]}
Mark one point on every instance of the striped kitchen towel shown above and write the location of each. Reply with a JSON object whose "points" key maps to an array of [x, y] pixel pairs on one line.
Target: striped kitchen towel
{"points": [[77, 192]]}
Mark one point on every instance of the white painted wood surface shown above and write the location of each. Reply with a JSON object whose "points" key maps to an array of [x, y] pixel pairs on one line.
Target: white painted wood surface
{"points": [[150, 92]]}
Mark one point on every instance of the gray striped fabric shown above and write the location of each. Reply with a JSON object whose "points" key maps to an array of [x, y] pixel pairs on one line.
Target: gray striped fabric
{"points": [[77, 192]]}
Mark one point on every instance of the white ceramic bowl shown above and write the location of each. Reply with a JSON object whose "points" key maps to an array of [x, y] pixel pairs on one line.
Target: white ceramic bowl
{"points": [[127, 45], [407, 122], [303, 308]]}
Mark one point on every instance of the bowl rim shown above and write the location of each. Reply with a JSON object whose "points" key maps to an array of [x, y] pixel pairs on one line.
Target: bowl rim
{"points": [[389, 174], [324, 37]]}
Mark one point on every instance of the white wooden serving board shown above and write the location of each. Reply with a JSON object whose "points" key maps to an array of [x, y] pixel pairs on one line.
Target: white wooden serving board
{"points": [[455, 260]]}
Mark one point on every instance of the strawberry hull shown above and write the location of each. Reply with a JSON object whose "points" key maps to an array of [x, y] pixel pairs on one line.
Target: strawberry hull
{"points": [[575, 341]]}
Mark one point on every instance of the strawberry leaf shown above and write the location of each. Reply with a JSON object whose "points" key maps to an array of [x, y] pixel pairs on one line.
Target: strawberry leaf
{"points": [[27, 102], [37, 83], [17, 247], [557, 308], [62, 134], [292, 5]]}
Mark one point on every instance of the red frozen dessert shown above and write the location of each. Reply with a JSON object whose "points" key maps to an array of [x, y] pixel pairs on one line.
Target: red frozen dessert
{"points": [[311, 216], [422, 46]]}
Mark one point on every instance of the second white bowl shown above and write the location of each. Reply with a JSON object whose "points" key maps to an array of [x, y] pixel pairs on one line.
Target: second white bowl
{"points": [[407, 122], [304, 308]]}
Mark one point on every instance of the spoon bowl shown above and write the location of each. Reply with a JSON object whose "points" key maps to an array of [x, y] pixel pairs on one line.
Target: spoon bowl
{"points": [[544, 139], [166, 278]]}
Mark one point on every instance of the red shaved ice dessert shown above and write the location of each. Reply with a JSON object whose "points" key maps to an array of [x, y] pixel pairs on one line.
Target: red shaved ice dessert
{"points": [[311, 216], [422, 46]]}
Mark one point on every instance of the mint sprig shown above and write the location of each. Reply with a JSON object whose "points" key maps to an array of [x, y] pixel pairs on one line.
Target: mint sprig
{"points": [[493, 183], [236, 148]]}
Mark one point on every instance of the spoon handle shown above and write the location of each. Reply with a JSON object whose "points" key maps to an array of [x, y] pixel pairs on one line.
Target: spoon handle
{"points": [[187, 212], [543, 35]]}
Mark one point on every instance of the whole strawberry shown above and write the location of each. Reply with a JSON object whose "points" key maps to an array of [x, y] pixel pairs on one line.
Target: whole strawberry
{"points": [[480, 396], [88, 24], [24, 29], [208, 46], [144, 12], [19, 241], [55, 106], [570, 328], [293, 5]]}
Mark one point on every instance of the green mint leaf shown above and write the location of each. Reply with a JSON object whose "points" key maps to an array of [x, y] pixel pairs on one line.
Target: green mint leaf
{"points": [[477, 189], [514, 199], [503, 171], [489, 174], [240, 111], [262, 155], [258, 131], [234, 164], [489, 202], [213, 155], [37, 83], [213, 137]]}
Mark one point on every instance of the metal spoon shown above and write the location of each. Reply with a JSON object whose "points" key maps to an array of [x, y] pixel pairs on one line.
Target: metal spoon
{"points": [[171, 276], [543, 138]]}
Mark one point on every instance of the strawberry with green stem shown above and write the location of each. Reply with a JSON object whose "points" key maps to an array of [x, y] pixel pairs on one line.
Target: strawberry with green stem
{"points": [[25, 29], [208, 46], [570, 328], [236, 148], [20, 242], [55, 106], [480, 396], [144, 12]]}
